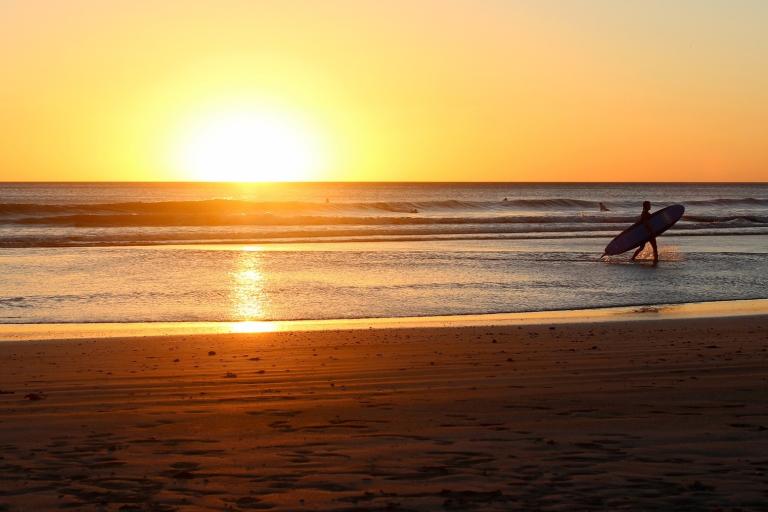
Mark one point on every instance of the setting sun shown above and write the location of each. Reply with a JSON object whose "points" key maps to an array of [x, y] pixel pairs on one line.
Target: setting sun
{"points": [[247, 145]]}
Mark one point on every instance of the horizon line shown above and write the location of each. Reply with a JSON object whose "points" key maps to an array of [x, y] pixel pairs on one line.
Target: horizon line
{"points": [[153, 182]]}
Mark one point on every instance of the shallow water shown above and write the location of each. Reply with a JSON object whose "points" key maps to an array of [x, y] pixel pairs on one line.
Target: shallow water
{"points": [[315, 281], [466, 250]]}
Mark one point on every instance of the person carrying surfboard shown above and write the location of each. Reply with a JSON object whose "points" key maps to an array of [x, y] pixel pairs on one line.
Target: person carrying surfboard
{"points": [[644, 218], [645, 230]]}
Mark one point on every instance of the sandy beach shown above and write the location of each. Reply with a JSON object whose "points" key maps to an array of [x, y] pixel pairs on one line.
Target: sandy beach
{"points": [[642, 415]]}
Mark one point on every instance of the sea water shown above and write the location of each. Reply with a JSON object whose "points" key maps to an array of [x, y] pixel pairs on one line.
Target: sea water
{"points": [[225, 252]]}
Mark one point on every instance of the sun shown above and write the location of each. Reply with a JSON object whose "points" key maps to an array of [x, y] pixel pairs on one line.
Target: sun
{"points": [[247, 145]]}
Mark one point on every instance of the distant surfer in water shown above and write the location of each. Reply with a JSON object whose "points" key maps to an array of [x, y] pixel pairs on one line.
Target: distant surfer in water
{"points": [[644, 217]]}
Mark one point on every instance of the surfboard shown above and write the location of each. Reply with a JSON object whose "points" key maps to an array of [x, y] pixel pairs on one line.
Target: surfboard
{"points": [[637, 234]]}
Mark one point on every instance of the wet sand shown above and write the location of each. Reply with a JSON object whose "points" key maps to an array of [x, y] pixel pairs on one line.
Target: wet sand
{"points": [[643, 415]]}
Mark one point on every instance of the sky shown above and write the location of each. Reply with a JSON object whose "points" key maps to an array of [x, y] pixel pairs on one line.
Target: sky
{"points": [[406, 90]]}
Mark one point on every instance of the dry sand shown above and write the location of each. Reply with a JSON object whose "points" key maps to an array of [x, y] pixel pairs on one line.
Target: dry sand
{"points": [[645, 415]]}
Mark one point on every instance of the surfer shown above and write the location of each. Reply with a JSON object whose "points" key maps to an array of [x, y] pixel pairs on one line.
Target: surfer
{"points": [[604, 208], [644, 217]]}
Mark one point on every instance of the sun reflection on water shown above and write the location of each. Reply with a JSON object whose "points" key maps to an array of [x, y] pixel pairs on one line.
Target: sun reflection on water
{"points": [[248, 298]]}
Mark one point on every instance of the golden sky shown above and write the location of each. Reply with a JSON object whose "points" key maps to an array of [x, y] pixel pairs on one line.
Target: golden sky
{"points": [[427, 90]]}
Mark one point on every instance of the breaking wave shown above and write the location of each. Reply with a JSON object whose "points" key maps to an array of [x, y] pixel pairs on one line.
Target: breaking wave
{"points": [[227, 210], [234, 221]]}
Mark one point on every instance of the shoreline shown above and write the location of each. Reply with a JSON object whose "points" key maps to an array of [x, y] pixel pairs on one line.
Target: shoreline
{"points": [[690, 310]]}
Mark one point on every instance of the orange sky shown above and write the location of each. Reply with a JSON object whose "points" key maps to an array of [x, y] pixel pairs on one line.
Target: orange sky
{"points": [[437, 90]]}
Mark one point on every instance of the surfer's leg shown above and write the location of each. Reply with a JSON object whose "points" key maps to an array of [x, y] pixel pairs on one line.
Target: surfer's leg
{"points": [[638, 251], [655, 250]]}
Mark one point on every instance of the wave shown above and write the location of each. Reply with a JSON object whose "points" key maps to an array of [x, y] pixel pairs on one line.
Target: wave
{"points": [[240, 212], [230, 206], [49, 237], [756, 219], [242, 221], [747, 201], [158, 220], [246, 239], [199, 220]]}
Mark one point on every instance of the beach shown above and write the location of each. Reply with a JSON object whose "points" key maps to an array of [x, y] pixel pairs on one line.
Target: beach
{"points": [[383, 256], [658, 414]]}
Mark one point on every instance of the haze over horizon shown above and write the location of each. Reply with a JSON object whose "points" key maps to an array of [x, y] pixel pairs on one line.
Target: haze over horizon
{"points": [[360, 91]]}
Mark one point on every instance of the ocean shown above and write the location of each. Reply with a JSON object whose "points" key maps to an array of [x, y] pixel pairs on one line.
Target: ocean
{"points": [[187, 252]]}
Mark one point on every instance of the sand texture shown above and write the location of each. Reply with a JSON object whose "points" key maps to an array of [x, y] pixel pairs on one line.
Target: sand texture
{"points": [[646, 415]]}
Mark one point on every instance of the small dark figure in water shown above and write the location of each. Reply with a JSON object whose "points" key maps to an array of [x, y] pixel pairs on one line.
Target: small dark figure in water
{"points": [[604, 208], [644, 219]]}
